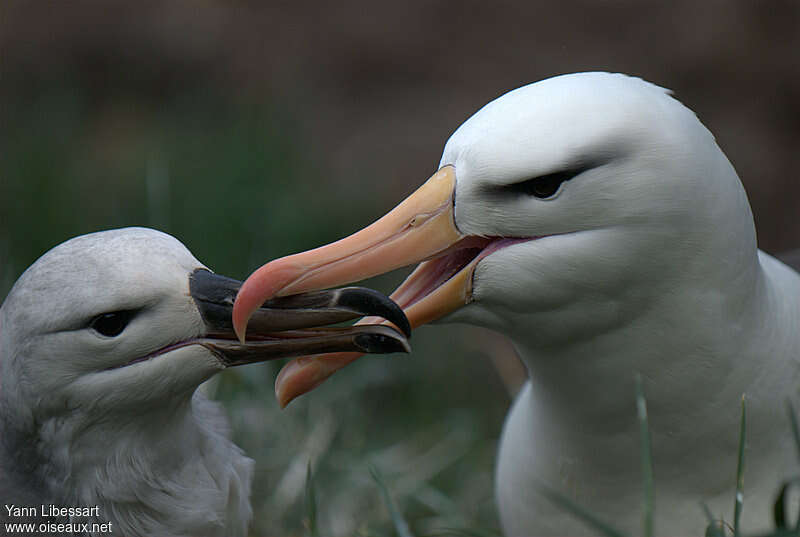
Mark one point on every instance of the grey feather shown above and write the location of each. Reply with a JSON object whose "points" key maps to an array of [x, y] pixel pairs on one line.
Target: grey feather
{"points": [[140, 442]]}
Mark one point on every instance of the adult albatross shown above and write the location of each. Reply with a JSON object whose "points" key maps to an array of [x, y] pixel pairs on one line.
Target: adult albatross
{"points": [[594, 220], [103, 343]]}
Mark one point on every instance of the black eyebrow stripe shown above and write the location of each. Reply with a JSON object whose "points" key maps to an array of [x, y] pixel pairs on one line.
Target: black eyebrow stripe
{"points": [[519, 186], [559, 176], [595, 158]]}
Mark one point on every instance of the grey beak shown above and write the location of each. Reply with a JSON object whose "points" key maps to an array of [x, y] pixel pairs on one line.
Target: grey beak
{"points": [[295, 325]]}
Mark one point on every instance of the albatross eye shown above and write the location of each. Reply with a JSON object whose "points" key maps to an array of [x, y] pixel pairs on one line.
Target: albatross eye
{"points": [[111, 324], [545, 186]]}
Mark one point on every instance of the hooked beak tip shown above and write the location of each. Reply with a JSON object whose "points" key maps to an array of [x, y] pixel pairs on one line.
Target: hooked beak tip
{"points": [[244, 305], [285, 390], [281, 396], [240, 327], [283, 401]]}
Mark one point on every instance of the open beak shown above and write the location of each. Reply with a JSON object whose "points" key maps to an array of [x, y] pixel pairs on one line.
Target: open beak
{"points": [[421, 228], [295, 325]]}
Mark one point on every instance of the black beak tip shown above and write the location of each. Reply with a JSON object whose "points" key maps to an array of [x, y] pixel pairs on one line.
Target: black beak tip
{"points": [[384, 340], [375, 303], [403, 325]]}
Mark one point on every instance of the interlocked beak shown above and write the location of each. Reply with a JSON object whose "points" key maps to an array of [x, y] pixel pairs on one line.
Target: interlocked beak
{"points": [[421, 228]]}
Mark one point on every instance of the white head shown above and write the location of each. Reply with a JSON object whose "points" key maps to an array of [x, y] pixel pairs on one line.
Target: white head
{"points": [[640, 197]]}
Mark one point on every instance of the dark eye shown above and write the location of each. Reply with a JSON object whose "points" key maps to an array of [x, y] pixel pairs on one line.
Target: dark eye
{"points": [[111, 324], [544, 186]]}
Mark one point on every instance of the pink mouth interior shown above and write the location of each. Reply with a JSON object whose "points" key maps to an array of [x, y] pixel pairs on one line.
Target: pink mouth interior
{"points": [[431, 274]]}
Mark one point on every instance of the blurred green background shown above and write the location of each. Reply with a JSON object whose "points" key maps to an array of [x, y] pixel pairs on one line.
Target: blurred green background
{"points": [[250, 130]]}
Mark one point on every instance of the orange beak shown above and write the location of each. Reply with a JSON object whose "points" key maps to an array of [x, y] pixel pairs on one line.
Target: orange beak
{"points": [[421, 228]]}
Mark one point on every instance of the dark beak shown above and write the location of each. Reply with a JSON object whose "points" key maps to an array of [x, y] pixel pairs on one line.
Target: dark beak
{"points": [[296, 325]]}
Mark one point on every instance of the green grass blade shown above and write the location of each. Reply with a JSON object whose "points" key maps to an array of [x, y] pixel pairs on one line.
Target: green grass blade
{"points": [[579, 512], [737, 507], [311, 503], [715, 527], [780, 508], [707, 511], [400, 524], [793, 421], [647, 460]]}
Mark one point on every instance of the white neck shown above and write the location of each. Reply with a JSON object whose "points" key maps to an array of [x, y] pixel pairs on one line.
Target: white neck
{"points": [[575, 425]]}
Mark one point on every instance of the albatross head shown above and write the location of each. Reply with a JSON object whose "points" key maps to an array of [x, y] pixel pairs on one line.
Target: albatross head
{"points": [[103, 342], [81, 322], [128, 320], [557, 211]]}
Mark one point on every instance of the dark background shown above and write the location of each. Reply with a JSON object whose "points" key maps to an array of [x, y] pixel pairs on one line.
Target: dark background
{"points": [[250, 130]]}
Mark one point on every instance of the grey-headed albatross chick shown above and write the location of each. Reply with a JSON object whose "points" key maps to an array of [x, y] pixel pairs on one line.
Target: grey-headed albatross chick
{"points": [[103, 343]]}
